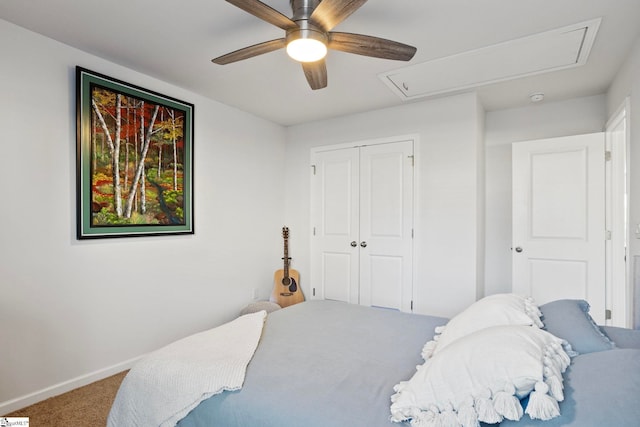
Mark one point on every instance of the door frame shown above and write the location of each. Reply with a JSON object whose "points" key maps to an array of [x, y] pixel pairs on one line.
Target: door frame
{"points": [[316, 290], [619, 286]]}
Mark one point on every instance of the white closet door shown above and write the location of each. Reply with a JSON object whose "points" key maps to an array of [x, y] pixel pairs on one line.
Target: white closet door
{"points": [[386, 222], [362, 216], [335, 215]]}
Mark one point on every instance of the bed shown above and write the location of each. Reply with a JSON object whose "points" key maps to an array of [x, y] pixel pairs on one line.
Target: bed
{"points": [[333, 364]]}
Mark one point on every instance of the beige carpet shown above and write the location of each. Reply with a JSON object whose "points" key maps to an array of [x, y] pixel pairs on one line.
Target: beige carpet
{"points": [[86, 406]]}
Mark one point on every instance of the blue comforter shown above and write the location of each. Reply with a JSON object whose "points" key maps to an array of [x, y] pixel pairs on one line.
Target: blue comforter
{"points": [[322, 364], [332, 364]]}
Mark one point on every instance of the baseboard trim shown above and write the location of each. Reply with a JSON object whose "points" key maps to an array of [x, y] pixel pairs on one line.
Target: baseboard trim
{"points": [[63, 387]]}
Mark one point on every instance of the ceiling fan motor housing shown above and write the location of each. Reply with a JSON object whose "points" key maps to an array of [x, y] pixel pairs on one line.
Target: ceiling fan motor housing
{"points": [[302, 9]]}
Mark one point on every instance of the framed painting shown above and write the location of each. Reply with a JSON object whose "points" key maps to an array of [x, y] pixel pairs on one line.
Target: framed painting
{"points": [[134, 160]]}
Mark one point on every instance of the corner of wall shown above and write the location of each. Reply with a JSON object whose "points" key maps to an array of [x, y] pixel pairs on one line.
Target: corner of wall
{"points": [[481, 201]]}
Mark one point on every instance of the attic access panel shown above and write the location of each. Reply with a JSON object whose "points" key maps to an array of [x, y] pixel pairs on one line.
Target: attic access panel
{"points": [[540, 53]]}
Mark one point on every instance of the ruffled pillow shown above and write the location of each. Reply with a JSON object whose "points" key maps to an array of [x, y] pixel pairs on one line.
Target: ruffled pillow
{"points": [[482, 377], [494, 310]]}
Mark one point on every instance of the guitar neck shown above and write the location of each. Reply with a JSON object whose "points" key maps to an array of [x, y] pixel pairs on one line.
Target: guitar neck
{"points": [[286, 257]]}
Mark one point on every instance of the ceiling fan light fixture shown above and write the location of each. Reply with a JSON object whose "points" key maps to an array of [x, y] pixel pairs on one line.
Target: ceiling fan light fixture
{"points": [[306, 50], [307, 43]]}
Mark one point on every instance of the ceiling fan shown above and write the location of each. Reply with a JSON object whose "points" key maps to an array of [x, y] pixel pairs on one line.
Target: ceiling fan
{"points": [[309, 35]]}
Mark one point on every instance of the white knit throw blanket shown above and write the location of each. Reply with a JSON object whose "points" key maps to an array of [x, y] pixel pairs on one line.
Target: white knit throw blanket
{"points": [[163, 387]]}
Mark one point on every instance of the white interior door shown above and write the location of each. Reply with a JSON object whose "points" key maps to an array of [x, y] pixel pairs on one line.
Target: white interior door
{"points": [[559, 220], [362, 219], [386, 223], [335, 218]]}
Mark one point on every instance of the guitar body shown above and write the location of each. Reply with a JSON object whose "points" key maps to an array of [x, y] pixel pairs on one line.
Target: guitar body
{"points": [[286, 281], [282, 294]]}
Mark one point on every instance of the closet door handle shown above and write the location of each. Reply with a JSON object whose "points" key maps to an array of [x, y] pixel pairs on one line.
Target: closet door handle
{"points": [[363, 244], [354, 244]]}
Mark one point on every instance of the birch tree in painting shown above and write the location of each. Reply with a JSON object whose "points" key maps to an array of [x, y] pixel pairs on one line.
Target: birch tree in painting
{"points": [[113, 142], [174, 133], [140, 168]]}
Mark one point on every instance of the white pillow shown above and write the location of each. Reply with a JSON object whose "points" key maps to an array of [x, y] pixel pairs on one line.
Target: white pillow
{"points": [[493, 310], [483, 376]]}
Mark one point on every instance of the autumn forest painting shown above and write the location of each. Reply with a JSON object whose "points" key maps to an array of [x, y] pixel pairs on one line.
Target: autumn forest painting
{"points": [[135, 160]]}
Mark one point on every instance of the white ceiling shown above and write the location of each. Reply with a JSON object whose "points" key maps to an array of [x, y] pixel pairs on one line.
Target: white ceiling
{"points": [[176, 40]]}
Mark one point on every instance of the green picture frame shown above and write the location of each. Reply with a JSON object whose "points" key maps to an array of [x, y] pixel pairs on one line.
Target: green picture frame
{"points": [[134, 165]]}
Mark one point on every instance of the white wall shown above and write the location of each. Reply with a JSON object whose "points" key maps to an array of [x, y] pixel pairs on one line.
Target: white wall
{"points": [[543, 120], [627, 84], [447, 192], [74, 311]]}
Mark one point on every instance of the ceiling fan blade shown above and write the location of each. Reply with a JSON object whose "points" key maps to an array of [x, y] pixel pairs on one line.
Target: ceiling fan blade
{"points": [[370, 46], [330, 13], [264, 12], [250, 52], [316, 74]]}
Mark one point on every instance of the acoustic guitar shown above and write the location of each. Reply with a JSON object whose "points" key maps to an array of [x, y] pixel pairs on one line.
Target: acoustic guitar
{"points": [[286, 288]]}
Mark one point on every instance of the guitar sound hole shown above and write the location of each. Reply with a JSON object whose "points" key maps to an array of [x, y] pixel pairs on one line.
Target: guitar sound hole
{"points": [[286, 281]]}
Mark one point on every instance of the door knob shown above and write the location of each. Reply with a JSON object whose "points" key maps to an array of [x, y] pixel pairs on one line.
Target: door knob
{"points": [[518, 249], [363, 244], [354, 244]]}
